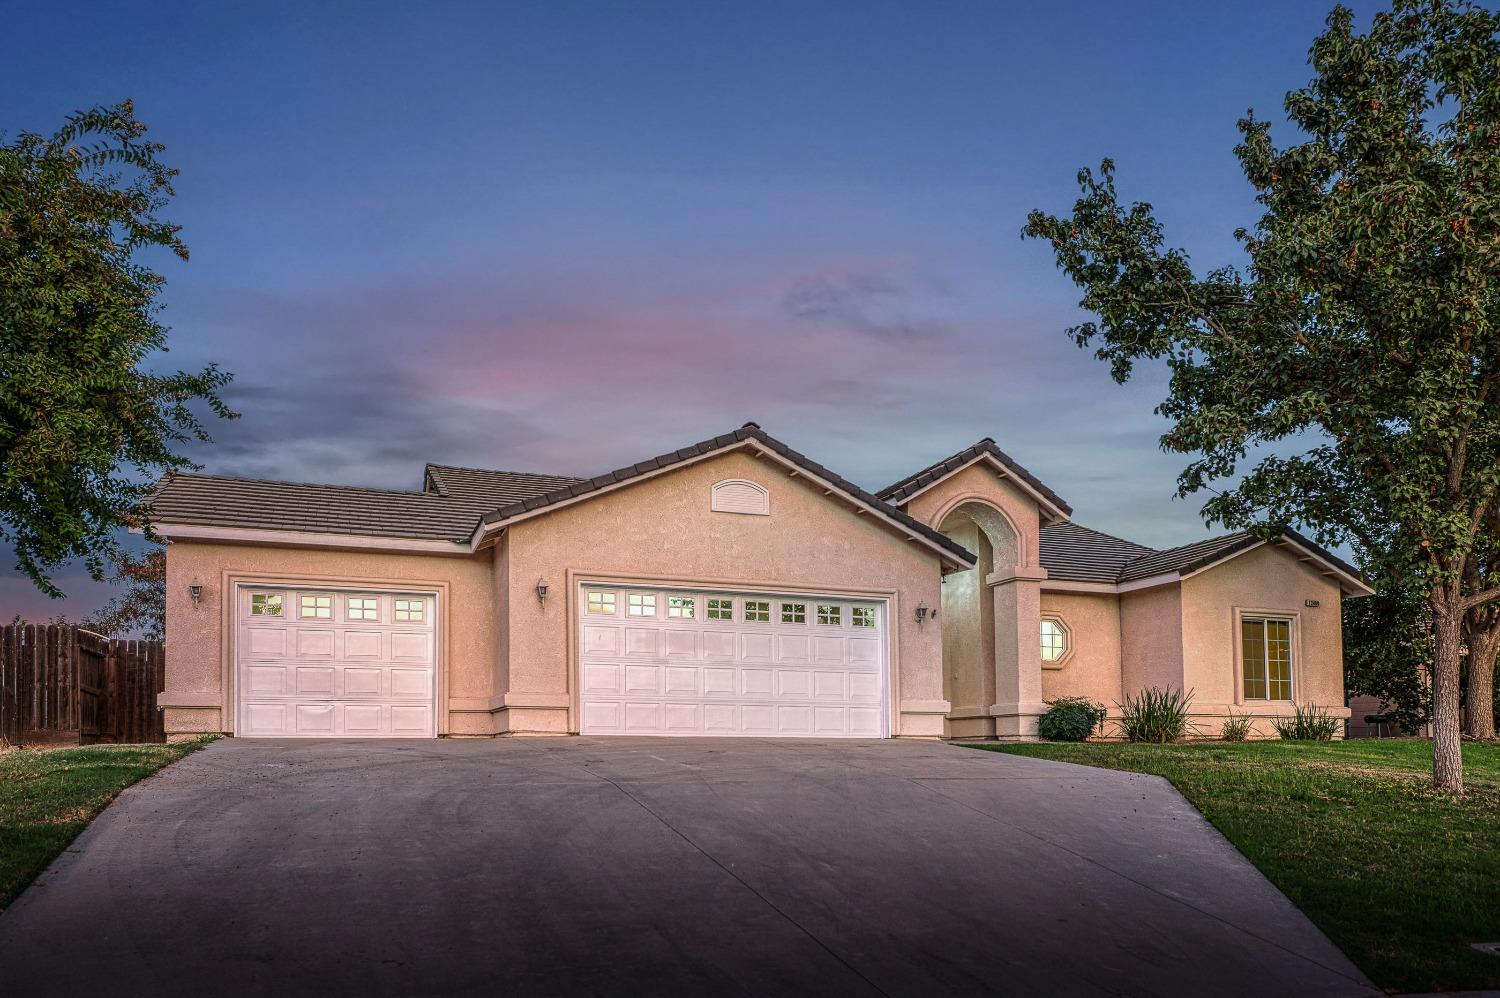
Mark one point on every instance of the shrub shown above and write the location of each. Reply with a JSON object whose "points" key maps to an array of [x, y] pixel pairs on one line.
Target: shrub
{"points": [[1307, 724], [1070, 719], [1236, 727], [1155, 715]]}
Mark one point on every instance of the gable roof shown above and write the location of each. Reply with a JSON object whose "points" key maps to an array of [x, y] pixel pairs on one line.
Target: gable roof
{"points": [[1072, 553], [902, 492], [746, 435], [464, 505]]}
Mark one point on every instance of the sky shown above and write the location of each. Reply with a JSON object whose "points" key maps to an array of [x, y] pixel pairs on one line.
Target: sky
{"points": [[565, 236]]}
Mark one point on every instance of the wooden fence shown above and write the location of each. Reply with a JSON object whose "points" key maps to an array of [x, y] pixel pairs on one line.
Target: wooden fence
{"points": [[63, 685]]}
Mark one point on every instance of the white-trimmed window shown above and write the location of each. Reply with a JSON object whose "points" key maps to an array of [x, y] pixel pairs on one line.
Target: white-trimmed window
{"points": [[1054, 640], [265, 604], [721, 609], [830, 613], [757, 611], [640, 605], [862, 616], [794, 613], [317, 607], [601, 602], [411, 610], [1266, 654], [682, 607], [362, 608]]}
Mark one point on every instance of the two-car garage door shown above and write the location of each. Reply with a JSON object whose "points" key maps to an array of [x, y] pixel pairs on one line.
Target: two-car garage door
{"points": [[334, 663], [685, 662]]}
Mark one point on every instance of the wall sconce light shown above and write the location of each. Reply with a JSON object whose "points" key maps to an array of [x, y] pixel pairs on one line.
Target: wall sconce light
{"points": [[195, 593], [923, 613], [541, 593]]}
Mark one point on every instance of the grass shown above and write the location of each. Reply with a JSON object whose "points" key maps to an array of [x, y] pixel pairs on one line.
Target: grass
{"points": [[48, 796], [1402, 877]]}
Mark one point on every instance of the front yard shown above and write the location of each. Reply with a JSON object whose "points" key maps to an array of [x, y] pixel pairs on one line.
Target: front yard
{"points": [[48, 796], [1401, 877]]}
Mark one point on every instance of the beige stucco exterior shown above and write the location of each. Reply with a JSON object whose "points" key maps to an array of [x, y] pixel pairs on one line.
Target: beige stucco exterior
{"points": [[508, 664], [1185, 635]]}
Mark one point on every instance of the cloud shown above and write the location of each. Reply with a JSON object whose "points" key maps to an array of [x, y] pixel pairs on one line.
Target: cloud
{"points": [[874, 304]]}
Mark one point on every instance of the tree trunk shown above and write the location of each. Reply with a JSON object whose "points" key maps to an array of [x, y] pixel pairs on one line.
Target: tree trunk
{"points": [[1447, 719], [1484, 648]]}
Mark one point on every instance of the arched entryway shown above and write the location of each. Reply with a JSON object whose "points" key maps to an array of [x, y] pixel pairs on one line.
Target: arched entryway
{"points": [[978, 629]]}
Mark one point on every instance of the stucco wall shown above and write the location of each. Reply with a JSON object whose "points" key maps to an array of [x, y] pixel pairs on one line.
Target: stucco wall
{"points": [[1266, 580], [198, 682], [661, 529], [979, 482], [1092, 666], [1151, 638]]}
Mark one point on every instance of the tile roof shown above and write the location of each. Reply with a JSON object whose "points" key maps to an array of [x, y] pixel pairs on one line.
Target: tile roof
{"points": [[1073, 553], [1078, 554], [455, 501], [222, 501], [899, 492]]}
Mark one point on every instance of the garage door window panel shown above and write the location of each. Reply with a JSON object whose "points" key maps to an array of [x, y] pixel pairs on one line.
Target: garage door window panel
{"points": [[315, 607]]}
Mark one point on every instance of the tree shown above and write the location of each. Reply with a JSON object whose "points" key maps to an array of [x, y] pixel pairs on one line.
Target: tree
{"points": [[142, 606], [1388, 652], [1345, 376], [84, 420]]}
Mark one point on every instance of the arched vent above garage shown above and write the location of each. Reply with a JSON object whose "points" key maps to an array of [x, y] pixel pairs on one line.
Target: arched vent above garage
{"points": [[736, 495]]}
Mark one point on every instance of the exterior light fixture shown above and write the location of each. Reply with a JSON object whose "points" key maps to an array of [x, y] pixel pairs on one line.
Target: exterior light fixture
{"points": [[195, 593], [922, 613], [541, 592]]}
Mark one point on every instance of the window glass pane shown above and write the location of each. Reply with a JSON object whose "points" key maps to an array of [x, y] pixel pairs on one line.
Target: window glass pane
{"points": [[830, 613], [721, 609], [641, 605], [794, 613], [265, 604], [758, 611], [864, 616], [410, 609], [320, 607], [1279, 659], [362, 608], [680, 606], [601, 602], [1054, 641], [1253, 653]]}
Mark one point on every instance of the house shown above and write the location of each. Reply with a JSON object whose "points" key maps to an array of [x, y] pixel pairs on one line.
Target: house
{"points": [[733, 587]]}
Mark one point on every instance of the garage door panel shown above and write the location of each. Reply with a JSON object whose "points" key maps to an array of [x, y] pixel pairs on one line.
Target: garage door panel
{"points": [[267, 642], [352, 670], [362, 644], [314, 644]]}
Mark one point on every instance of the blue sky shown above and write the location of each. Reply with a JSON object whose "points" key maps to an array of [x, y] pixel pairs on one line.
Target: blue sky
{"points": [[564, 236]]}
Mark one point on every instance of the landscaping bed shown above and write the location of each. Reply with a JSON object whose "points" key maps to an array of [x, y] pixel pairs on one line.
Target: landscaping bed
{"points": [[48, 796], [1402, 877]]}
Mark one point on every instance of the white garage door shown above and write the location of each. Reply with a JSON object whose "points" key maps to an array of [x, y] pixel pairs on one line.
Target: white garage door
{"points": [[671, 662], [334, 663]]}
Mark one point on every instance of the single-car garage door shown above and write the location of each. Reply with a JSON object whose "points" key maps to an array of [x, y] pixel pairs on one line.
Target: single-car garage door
{"points": [[675, 662], [334, 663]]}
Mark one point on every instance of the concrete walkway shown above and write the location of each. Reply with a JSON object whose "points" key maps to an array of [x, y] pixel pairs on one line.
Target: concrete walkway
{"points": [[655, 866]]}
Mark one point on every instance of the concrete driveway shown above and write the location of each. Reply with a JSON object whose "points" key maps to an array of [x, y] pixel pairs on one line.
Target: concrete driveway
{"points": [[655, 866]]}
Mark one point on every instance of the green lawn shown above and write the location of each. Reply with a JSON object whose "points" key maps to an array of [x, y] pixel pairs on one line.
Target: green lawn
{"points": [[1402, 877], [48, 796]]}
